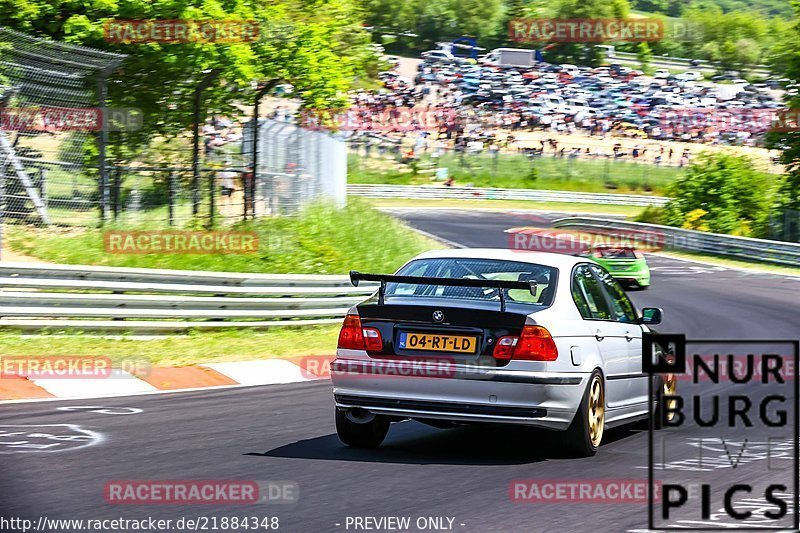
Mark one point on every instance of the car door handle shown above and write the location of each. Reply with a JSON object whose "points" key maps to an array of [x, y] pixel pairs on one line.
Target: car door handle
{"points": [[598, 335], [628, 336]]}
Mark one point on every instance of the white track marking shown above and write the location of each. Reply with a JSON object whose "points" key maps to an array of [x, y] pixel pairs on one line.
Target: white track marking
{"points": [[102, 410], [45, 438], [119, 383], [266, 372]]}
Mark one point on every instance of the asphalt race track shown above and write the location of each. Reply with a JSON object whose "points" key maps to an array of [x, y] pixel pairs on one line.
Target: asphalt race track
{"points": [[286, 433]]}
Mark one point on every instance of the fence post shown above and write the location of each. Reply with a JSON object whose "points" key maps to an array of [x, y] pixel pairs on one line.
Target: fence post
{"points": [[3, 166], [210, 76], [43, 184], [171, 198], [117, 188], [211, 203], [251, 189], [102, 142]]}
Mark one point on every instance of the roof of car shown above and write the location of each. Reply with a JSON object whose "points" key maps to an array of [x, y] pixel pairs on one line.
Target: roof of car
{"points": [[560, 261]]}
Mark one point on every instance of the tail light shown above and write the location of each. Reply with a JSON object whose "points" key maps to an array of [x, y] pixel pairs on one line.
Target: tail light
{"points": [[350, 336], [535, 344], [372, 339], [504, 349], [354, 337]]}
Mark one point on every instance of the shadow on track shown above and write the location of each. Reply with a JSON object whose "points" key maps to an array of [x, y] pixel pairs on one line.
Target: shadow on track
{"points": [[415, 443]]}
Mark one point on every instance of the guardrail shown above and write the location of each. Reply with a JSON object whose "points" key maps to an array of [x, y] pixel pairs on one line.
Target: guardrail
{"points": [[34, 296], [685, 62], [765, 251], [439, 192]]}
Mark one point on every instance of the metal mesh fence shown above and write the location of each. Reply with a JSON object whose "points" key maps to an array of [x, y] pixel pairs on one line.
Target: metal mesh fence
{"points": [[159, 197], [50, 172], [49, 114], [295, 166]]}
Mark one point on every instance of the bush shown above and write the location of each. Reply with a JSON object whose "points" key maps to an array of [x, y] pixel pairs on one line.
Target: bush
{"points": [[651, 215], [720, 193]]}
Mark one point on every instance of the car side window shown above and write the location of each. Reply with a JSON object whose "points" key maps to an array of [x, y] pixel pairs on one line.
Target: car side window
{"points": [[588, 295], [580, 301], [621, 306]]}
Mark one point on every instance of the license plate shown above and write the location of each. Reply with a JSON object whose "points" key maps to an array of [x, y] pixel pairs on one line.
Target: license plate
{"points": [[438, 343]]}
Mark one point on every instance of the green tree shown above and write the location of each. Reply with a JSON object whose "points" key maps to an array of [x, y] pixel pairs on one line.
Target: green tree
{"points": [[318, 46], [734, 39], [721, 193], [740, 54], [438, 20], [585, 9], [644, 55], [787, 61]]}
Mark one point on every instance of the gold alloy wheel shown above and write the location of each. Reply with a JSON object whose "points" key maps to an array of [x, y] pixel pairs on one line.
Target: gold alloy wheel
{"points": [[669, 388], [597, 411]]}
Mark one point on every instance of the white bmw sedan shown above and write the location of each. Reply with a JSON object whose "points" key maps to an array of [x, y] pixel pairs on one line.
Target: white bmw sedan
{"points": [[490, 335]]}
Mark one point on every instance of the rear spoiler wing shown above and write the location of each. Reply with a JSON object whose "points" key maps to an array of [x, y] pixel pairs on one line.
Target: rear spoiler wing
{"points": [[383, 279]]}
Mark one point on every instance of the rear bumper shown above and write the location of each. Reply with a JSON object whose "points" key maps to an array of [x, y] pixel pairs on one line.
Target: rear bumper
{"points": [[640, 278], [543, 399]]}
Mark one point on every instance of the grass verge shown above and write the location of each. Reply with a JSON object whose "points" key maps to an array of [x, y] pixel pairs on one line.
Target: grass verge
{"points": [[320, 240], [178, 350], [520, 172]]}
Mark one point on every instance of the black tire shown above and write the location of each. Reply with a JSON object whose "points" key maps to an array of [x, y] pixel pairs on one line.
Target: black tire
{"points": [[367, 434], [578, 436]]}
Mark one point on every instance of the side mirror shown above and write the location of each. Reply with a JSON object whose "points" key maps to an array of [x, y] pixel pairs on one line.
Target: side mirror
{"points": [[651, 316]]}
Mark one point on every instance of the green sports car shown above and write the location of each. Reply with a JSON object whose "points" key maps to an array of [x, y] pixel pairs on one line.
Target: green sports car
{"points": [[625, 264]]}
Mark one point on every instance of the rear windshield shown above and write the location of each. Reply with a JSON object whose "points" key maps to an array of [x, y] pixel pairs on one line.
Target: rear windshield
{"points": [[490, 269], [615, 253]]}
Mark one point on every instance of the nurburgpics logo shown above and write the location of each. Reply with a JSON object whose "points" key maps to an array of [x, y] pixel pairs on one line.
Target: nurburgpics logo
{"points": [[731, 432]]}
